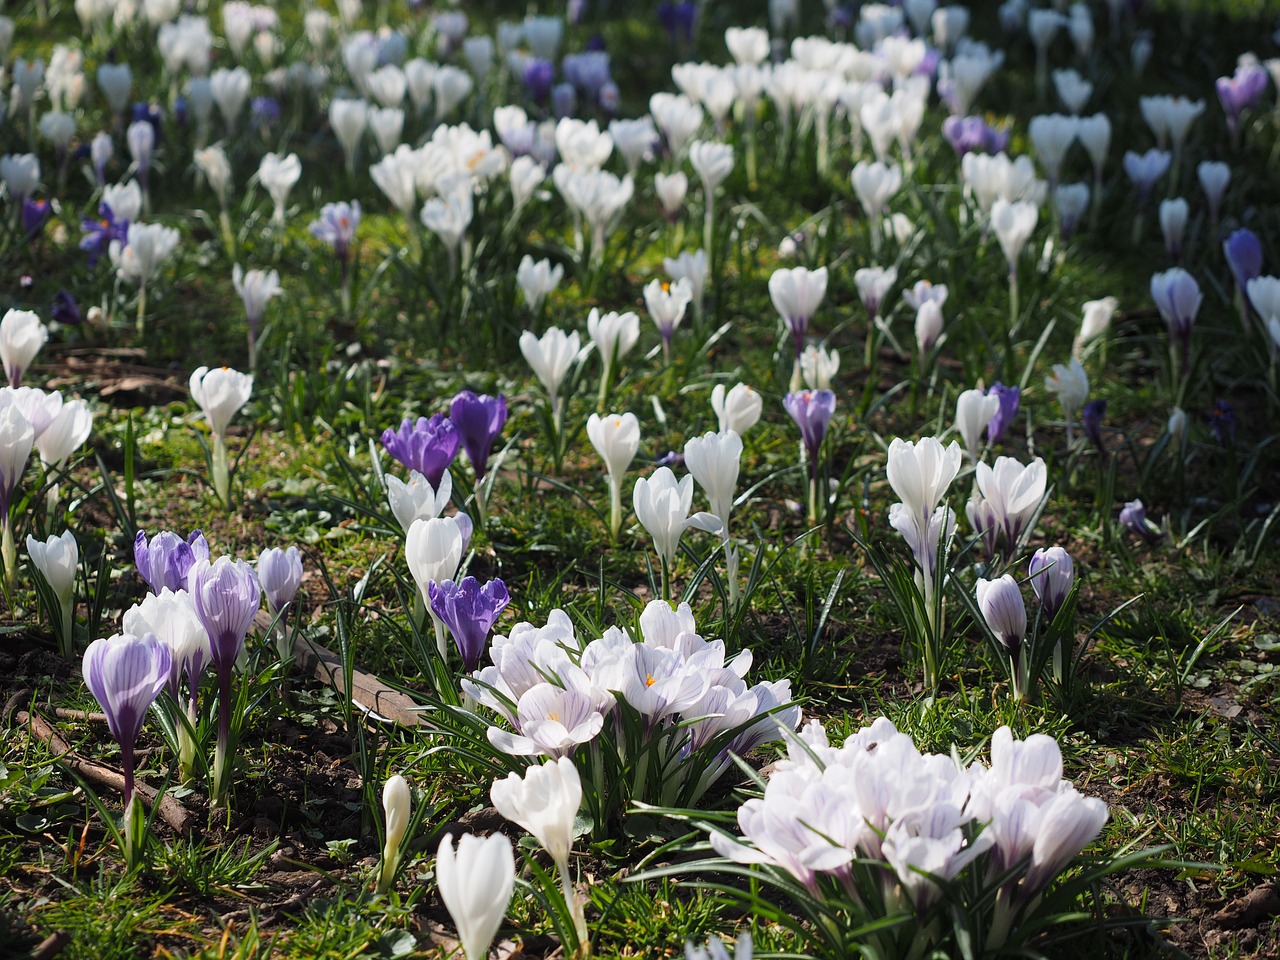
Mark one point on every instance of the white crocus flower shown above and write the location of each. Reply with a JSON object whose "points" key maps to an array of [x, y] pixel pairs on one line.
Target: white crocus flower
{"points": [[616, 438], [738, 409], [278, 174]]}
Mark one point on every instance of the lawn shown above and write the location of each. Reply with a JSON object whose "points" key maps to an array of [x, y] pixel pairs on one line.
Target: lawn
{"points": [[509, 482]]}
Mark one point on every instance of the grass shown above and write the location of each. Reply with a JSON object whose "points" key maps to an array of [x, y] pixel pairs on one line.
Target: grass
{"points": [[1173, 725]]}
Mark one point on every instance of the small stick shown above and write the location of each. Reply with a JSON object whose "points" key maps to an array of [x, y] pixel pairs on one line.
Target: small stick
{"points": [[171, 811]]}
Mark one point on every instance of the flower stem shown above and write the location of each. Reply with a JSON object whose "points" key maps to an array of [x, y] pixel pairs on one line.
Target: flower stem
{"points": [[221, 472]]}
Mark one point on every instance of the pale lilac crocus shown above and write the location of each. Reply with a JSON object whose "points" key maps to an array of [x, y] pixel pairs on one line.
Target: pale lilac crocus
{"points": [[125, 674], [1240, 92], [166, 559], [812, 411], [227, 595]]}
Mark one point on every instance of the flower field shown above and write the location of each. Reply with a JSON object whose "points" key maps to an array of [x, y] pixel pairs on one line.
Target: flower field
{"points": [[703, 479]]}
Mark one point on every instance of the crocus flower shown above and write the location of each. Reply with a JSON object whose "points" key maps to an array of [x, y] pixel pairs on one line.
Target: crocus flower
{"points": [[417, 499], [227, 595], [101, 233], [974, 410], [256, 288], [280, 573], [479, 420], [1071, 384], [737, 409], [337, 226], [469, 610], [666, 303], [1005, 612], [1013, 223], [662, 506], [35, 214], [796, 293], [1133, 517], [812, 411], [476, 884], [64, 310], [433, 550], [16, 438], [397, 810], [1240, 92], [125, 674], [21, 337], [1178, 298], [551, 356], [1145, 169], [614, 336], [1009, 398], [278, 175], [58, 559], [1243, 251], [172, 617], [545, 802], [165, 561], [1052, 573], [426, 445], [920, 473], [537, 279], [616, 438]]}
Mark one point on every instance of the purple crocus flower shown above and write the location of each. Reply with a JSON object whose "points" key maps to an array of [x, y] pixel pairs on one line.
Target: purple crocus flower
{"points": [[35, 214], [427, 446], [1243, 251], [264, 111], [227, 594], [1092, 415], [965, 134], [1009, 400], [479, 420], [1133, 516], [65, 310], [1052, 574], [564, 99], [678, 19], [539, 75], [1222, 422], [812, 410], [166, 560], [99, 233], [1240, 92], [125, 674], [469, 611], [337, 227]]}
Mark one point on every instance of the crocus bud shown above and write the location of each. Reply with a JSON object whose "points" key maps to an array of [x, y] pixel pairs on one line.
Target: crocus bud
{"points": [[1004, 610], [280, 572], [1052, 575], [397, 806], [475, 884], [57, 560]]}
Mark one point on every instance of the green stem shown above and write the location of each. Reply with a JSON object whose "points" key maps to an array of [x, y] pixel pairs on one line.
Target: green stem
{"points": [[9, 553], [221, 474]]}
